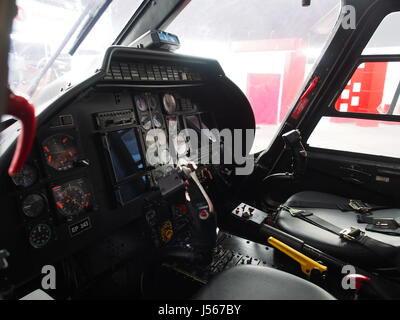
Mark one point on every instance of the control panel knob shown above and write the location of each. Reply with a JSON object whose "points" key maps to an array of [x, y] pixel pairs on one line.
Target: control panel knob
{"points": [[82, 163], [203, 214]]}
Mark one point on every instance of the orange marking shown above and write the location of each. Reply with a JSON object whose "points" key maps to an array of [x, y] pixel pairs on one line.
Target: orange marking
{"points": [[46, 148], [49, 158], [59, 204], [65, 140]]}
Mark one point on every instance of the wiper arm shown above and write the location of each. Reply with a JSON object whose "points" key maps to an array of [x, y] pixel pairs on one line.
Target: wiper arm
{"points": [[88, 26], [60, 48], [4, 124]]}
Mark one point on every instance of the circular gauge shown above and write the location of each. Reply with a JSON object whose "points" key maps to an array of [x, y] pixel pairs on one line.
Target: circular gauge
{"points": [[169, 103], [164, 155], [146, 122], [178, 140], [152, 158], [180, 144], [140, 103], [60, 152], [33, 205], [152, 102], [157, 120], [156, 144], [72, 198], [26, 177], [40, 235], [158, 156], [156, 138]]}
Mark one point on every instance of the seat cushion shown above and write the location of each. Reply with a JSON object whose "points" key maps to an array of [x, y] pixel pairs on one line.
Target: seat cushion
{"points": [[247, 282], [329, 242]]}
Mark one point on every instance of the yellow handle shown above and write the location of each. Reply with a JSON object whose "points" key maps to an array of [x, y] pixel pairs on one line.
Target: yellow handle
{"points": [[307, 264]]}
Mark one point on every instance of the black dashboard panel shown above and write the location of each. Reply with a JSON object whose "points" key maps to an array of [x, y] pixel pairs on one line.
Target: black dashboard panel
{"points": [[89, 172]]}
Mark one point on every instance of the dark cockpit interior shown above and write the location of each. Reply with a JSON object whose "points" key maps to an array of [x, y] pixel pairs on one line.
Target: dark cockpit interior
{"points": [[100, 163], [141, 182]]}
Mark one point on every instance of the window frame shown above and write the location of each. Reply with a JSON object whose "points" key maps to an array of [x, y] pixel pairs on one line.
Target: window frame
{"points": [[331, 110]]}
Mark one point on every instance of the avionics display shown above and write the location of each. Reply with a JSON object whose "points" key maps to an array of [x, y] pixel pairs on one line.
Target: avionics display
{"points": [[124, 149], [127, 164]]}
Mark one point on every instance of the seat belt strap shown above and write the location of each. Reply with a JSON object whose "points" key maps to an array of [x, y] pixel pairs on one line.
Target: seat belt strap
{"points": [[351, 234], [387, 225], [351, 205], [390, 226]]}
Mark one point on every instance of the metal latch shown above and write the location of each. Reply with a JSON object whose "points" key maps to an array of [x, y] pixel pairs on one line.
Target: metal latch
{"points": [[386, 223], [351, 233], [359, 206], [295, 212]]}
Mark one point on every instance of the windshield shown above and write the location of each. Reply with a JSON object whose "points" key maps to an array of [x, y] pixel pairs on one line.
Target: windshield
{"points": [[45, 39], [267, 47]]}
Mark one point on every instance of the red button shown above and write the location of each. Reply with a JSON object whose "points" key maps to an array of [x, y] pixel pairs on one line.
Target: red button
{"points": [[203, 214]]}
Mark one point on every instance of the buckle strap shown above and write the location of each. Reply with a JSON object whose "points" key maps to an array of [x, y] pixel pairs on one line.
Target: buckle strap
{"points": [[351, 234], [298, 213], [381, 249], [359, 206]]}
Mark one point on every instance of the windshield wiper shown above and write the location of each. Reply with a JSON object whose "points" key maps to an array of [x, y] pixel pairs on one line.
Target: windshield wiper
{"points": [[5, 123], [68, 37], [88, 26]]}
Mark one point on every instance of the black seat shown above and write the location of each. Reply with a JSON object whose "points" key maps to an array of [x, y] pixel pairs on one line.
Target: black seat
{"points": [[248, 282], [384, 255]]}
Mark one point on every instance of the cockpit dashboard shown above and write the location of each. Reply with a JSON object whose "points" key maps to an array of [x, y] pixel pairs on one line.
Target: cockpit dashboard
{"points": [[103, 146]]}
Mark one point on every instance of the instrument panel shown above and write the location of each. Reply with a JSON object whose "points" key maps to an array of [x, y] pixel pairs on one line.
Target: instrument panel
{"points": [[127, 149], [100, 152]]}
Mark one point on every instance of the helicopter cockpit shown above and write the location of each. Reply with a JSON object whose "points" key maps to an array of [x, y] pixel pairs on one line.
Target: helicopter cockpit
{"points": [[239, 150]]}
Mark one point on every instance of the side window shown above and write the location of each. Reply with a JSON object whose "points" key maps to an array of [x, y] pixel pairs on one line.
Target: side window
{"points": [[374, 88], [374, 137], [373, 91], [365, 117]]}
